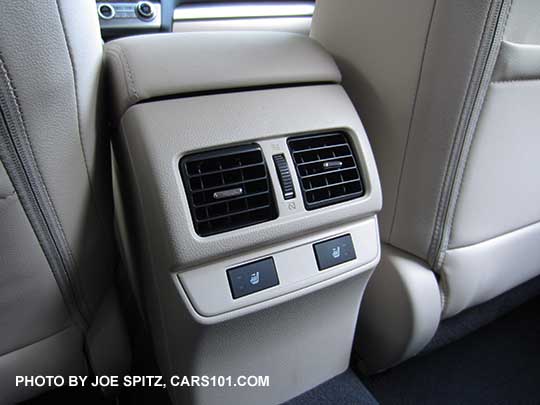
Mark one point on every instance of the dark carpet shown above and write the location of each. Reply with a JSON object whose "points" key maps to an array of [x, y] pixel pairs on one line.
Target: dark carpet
{"points": [[497, 364], [344, 389]]}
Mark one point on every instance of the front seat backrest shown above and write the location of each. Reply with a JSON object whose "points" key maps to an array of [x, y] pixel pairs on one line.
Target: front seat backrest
{"points": [[449, 94], [58, 306]]}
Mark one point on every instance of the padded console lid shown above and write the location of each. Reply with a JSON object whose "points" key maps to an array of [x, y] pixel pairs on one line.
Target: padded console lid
{"points": [[149, 66]]}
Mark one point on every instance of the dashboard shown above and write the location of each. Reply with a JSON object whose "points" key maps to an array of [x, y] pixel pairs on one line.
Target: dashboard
{"points": [[120, 18]]}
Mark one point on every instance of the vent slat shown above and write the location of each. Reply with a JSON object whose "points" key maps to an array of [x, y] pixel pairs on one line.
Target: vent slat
{"points": [[228, 189], [327, 169], [331, 185], [227, 170], [319, 148], [310, 176], [324, 160], [230, 200], [235, 213], [332, 200], [226, 185]]}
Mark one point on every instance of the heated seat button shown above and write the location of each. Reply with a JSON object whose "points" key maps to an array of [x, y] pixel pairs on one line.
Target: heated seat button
{"points": [[252, 277], [334, 251]]}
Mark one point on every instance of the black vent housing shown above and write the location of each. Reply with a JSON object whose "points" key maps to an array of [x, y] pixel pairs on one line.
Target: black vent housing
{"points": [[228, 189], [327, 169]]}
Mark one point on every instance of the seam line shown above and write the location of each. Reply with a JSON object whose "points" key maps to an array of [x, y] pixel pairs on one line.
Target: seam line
{"points": [[411, 119]]}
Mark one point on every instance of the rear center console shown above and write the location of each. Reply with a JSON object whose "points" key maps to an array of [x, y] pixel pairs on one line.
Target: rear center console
{"points": [[248, 201]]}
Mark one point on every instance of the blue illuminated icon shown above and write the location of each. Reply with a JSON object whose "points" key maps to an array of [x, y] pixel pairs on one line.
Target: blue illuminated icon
{"points": [[254, 278], [336, 252]]}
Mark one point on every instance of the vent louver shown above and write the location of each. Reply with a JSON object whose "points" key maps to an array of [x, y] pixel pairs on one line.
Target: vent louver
{"points": [[327, 169], [228, 189]]}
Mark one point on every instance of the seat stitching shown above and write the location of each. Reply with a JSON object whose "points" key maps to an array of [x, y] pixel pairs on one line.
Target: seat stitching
{"points": [[440, 208], [464, 155], [21, 121], [459, 157], [27, 140]]}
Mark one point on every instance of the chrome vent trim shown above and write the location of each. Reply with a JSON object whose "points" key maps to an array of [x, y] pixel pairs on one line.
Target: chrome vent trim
{"points": [[244, 10]]}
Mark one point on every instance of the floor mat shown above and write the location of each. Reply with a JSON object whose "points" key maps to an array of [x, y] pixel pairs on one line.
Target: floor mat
{"points": [[345, 389], [498, 364]]}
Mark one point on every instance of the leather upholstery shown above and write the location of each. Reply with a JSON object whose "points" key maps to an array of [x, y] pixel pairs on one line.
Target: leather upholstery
{"points": [[237, 61], [517, 62], [51, 62], [438, 85]]}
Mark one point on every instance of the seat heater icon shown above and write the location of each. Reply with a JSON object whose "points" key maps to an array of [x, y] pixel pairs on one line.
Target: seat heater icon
{"points": [[254, 278], [336, 252]]}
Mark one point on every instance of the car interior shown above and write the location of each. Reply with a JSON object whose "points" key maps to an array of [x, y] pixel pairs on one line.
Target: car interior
{"points": [[268, 202]]}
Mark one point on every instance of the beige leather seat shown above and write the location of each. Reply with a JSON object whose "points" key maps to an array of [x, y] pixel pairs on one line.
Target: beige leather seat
{"points": [[449, 92], [59, 313]]}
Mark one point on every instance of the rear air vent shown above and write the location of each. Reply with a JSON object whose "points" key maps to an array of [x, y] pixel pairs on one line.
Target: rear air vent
{"points": [[327, 169], [228, 189]]}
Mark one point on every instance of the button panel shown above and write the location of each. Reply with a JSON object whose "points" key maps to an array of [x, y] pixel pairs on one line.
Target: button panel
{"points": [[120, 16], [335, 251], [253, 277]]}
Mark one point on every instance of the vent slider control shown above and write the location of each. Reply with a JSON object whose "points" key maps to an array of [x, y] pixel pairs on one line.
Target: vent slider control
{"points": [[335, 164], [284, 175], [233, 192], [228, 189]]}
